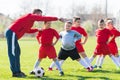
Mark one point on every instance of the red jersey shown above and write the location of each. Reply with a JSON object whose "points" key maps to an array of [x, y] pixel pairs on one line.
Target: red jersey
{"points": [[103, 35], [23, 24], [46, 36], [112, 45], [102, 38], [82, 31]]}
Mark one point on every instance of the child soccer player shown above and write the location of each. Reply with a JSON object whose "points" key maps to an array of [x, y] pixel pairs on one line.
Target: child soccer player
{"points": [[79, 44], [112, 44], [68, 38], [45, 38], [103, 38]]}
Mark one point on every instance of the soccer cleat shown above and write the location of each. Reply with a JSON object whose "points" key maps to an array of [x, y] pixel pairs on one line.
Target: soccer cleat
{"points": [[95, 66], [56, 68], [32, 73], [50, 69], [89, 69], [20, 75], [99, 67], [61, 73]]}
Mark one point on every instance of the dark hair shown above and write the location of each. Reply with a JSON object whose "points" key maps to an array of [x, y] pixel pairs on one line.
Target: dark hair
{"points": [[75, 19], [36, 10], [101, 21]]}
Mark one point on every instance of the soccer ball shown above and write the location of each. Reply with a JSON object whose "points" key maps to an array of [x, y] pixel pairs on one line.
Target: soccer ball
{"points": [[39, 72]]}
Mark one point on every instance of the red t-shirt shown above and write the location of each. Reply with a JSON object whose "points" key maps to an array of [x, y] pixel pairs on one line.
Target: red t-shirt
{"points": [[23, 24], [103, 35], [45, 37], [80, 30]]}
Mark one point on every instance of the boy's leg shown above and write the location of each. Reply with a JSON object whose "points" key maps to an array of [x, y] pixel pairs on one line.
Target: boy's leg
{"points": [[115, 61], [58, 66], [85, 58]]}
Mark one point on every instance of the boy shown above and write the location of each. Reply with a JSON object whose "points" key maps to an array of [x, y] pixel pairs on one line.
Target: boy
{"points": [[45, 39], [103, 38], [68, 38], [79, 44]]}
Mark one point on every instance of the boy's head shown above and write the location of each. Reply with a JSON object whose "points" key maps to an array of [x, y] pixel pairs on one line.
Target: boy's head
{"points": [[68, 25], [76, 21], [37, 11], [109, 24], [101, 23], [47, 24]]}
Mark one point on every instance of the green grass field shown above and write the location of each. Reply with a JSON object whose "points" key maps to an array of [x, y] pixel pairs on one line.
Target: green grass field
{"points": [[72, 69]]}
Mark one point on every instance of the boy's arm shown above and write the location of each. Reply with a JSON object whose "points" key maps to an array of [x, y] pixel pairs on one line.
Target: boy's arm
{"points": [[55, 42], [111, 37], [85, 40], [38, 36]]}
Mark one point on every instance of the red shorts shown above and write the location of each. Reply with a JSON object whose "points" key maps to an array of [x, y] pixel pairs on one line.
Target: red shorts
{"points": [[49, 51], [102, 49], [80, 48], [113, 48]]}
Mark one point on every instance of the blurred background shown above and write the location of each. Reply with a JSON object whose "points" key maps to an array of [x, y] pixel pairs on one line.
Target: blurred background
{"points": [[90, 11]]}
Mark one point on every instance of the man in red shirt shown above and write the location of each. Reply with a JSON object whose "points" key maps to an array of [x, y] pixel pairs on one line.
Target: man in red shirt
{"points": [[16, 30], [79, 44], [45, 38]]}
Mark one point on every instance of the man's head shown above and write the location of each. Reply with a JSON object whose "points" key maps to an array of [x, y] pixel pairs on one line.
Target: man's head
{"points": [[37, 11]]}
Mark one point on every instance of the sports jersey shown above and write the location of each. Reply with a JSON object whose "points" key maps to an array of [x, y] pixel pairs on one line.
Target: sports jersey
{"points": [[68, 39], [45, 38], [23, 24], [102, 38], [82, 31], [112, 45]]}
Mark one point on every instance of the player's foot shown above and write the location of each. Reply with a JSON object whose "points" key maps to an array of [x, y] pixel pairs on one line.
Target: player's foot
{"points": [[61, 73], [99, 67], [56, 68], [32, 73], [89, 69], [20, 75], [50, 69], [95, 66]]}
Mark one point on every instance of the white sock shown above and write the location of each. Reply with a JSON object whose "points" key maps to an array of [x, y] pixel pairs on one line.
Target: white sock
{"points": [[61, 62], [91, 59], [83, 63], [58, 65], [97, 61], [115, 61], [119, 58], [101, 61], [87, 61], [52, 64], [36, 64]]}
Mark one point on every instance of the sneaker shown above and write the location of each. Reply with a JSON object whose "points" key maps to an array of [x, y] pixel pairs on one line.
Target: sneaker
{"points": [[89, 69], [32, 73], [61, 73], [99, 67], [20, 75], [50, 69], [95, 66]]}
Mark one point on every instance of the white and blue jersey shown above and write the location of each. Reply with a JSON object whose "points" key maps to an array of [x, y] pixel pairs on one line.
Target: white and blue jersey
{"points": [[68, 39]]}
